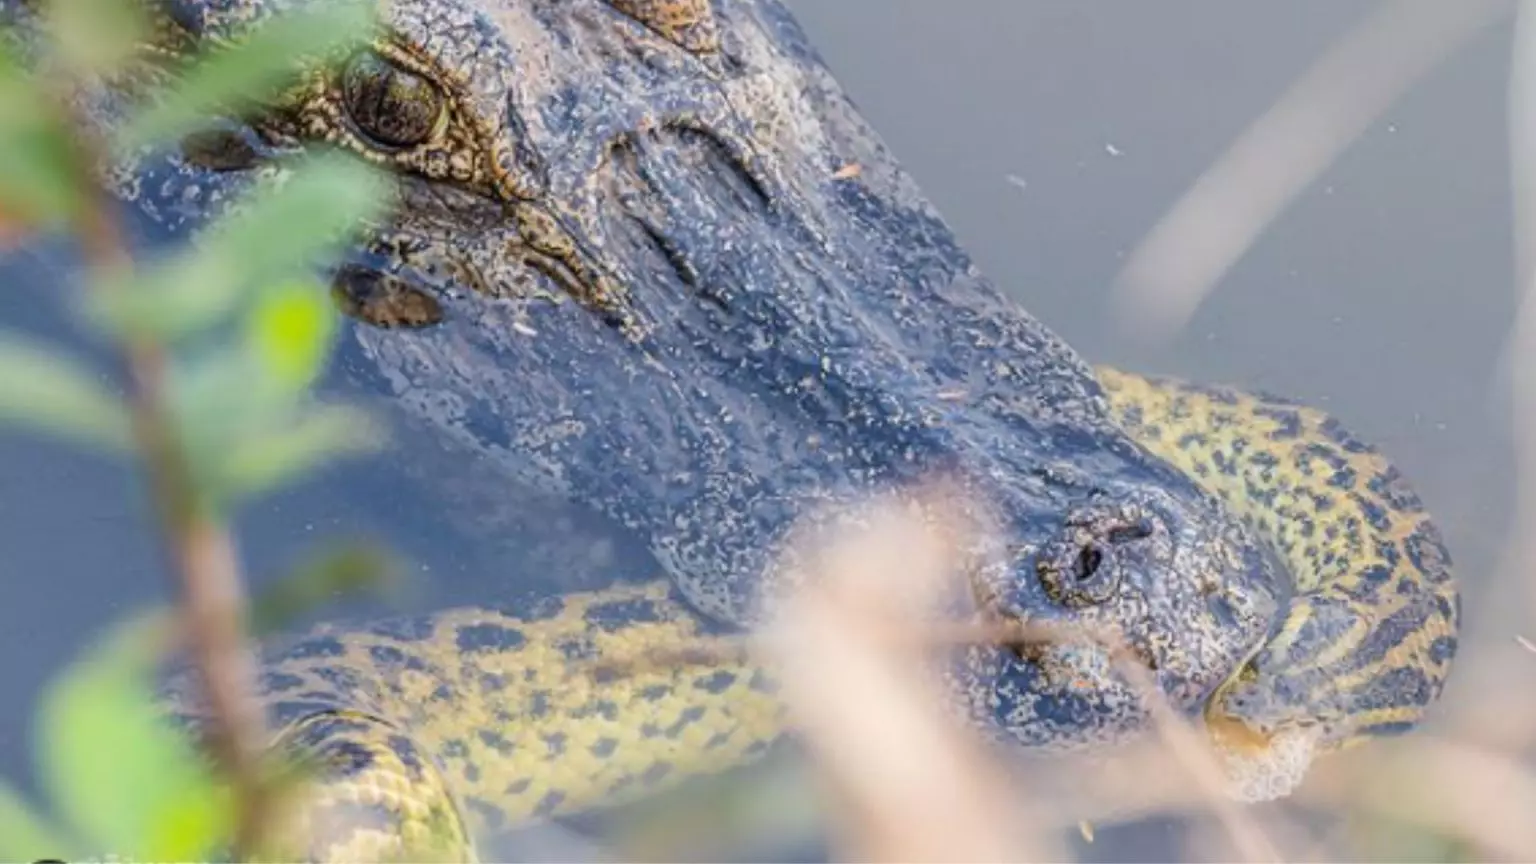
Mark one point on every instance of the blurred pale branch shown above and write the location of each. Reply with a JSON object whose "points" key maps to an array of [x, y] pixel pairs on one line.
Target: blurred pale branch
{"points": [[1181, 259], [858, 694], [1518, 359]]}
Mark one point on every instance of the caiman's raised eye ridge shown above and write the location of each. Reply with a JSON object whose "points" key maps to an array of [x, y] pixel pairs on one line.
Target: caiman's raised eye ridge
{"points": [[389, 105]]}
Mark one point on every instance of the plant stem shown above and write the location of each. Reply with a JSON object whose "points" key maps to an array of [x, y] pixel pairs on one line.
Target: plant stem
{"points": [[213, 613]]}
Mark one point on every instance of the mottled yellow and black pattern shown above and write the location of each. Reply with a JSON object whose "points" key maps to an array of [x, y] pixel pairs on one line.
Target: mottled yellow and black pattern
{"points": [[1368, 638], [440, 728], [481, 718]]}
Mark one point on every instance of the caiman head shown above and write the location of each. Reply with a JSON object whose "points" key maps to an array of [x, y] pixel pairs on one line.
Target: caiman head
{"points": [[648, 256]]}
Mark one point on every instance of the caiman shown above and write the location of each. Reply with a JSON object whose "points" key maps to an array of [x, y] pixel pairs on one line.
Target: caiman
{"points": [[647, 256]]}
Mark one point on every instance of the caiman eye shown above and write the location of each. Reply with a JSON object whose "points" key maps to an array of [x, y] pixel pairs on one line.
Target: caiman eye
{"points": [[394, 107]]}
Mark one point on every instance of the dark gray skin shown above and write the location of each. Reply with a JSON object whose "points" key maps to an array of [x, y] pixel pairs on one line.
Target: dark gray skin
{"points": [[633, 268]]}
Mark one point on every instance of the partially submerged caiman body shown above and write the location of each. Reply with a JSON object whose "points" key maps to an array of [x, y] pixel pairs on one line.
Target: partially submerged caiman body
{"points": [[648, 257]]}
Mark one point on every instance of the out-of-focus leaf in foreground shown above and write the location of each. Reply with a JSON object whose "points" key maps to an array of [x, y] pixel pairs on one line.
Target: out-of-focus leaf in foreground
{"points": [[51, 393], [289, 331], [127, 781], [238, 76], [261, 462], [96, 36], [39, 184], [270, 235], [25, 835]]}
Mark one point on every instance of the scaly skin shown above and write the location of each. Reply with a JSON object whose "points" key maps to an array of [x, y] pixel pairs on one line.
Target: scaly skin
{"points": [[630, 267], [629, 274], [482, 719]]}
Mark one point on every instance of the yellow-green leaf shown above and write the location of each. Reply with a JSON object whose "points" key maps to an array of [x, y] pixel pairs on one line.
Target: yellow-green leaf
{"points": [[191, 821], [50, 392], [113, 768], [289, 330]]}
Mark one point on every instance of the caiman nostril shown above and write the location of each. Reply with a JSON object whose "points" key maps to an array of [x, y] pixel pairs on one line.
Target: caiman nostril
{"points": [[1097, 546], [1085, 564], [1088, 561], [1141, 529], [1077, 572]]}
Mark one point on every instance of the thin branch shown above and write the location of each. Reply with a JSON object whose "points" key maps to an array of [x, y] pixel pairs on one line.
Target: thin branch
{"points": [[201, 548]]}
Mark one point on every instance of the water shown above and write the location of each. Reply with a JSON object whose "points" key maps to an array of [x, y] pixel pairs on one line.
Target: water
{"points": [[1052, 135]]}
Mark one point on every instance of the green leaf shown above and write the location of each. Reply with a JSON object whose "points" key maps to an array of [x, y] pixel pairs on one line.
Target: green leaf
{"points": [[244, 434], [216, 397], [197, 819], [270, 235], [27, 836], [97, 36], [324, 199], [233, 418], [289, 331], [126, 780], [268, 458], [50, 392], [250, 71], [40, 182]]}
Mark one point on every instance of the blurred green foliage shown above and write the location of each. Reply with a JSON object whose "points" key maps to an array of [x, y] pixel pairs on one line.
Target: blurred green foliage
{"points": [[247, 331], [122, 779]]}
